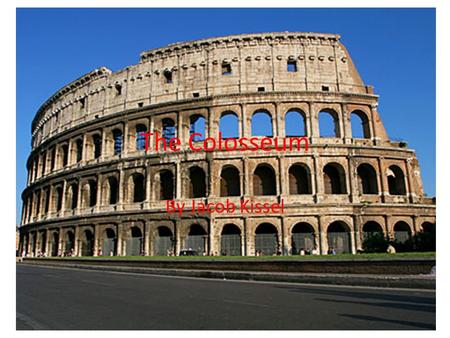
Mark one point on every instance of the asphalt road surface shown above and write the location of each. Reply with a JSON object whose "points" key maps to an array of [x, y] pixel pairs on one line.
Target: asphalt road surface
{"points": [[58, 298]]}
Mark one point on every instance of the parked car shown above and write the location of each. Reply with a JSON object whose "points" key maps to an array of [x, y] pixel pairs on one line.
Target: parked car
{"points": [[188, 252]]}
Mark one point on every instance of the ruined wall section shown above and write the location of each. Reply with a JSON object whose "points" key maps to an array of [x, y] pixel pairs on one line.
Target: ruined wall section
{"points": [[258, 63]]}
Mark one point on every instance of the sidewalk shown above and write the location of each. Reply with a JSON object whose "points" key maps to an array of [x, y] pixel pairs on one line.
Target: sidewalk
{"points": [[394, 281]]}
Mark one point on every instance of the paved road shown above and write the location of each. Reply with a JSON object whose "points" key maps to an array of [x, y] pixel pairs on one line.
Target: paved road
{"points": [[57, 298]]}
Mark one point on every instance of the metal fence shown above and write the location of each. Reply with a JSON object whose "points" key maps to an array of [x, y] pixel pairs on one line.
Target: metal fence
{"points": [[164, 245], [196, 242], [402, 236], [339, 241], [230, 245], [266, 244], [134, 246], [303, 241], [109, 246]]}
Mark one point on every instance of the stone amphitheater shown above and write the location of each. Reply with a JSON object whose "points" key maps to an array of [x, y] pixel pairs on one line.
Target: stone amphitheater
{"points": [[94, 189]]}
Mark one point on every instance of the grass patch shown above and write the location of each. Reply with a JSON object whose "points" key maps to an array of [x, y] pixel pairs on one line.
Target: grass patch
{"points": [[366, 256]]}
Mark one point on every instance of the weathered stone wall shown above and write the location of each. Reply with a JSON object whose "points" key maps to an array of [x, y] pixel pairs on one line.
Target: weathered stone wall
{"points": [[101, 102]]}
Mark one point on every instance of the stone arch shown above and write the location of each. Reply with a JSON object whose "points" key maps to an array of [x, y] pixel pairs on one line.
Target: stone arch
{"points": [[169, 129], [42, 241], [360, 124], [136, 188], [262, 123], [164, 241], [266, 239], [402, 232], [134, 242], [196, 239], [141, 131], [302, 238], [109, 247], [264, 182], [165, 185], [371, 228], [58, 198], [87, 243], [111, 190], [329, 123], [230, 184], [89, 193], [197, 182], [338, 235], [230, 240], [117, 137], [69, 243], [428, 227], [295, 124], [367, 179], [334, 180], [229, 124], [72, 196], [197, 124], [299, 179], [54, 244], [396, 181]]}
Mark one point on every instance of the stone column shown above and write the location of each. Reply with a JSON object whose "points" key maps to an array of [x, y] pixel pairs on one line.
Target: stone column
{"points": [[317, 188], [177, 228], [147, 235], [96, 239], [383, 180], [125, 139], [119, 240], [322, 236], [178, 183]]}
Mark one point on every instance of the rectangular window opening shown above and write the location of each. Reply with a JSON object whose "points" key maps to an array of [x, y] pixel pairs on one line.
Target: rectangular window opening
{"points": [[261, 89], [291, 66], [196, 94], [226, 69], [325, 88], [168, 76]]}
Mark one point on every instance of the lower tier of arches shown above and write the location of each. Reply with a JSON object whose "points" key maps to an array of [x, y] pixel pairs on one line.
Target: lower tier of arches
{"points": [[250, 236]]}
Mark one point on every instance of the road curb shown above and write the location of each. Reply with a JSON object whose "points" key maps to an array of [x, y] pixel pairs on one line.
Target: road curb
{"points": [[391, 281]]}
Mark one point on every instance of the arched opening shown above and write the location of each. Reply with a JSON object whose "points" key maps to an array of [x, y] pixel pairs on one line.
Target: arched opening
{"points": [[118, 140], [266, 239], [370, 229], [169, 129], [367, 179], [79, 150], [396, 181], [54, 244], [97, 141], [141, 130], [338, 238], [264, 181], [196, 239], [165, 185], [329, 123], [73, 194], [87, 243], [135, 242], [428, 227], [197, 182], [262, 123], [92, 193], [164, 242], [197, 126], [59, 198], [229, 125], [138, 187], [360, 124], [230, 241], [402, 232], [230, 182], [295, 123], [69, 243], [113, 189], [42, 242], [65, 154], [109, 243], [299, 180], [334, 179], [302, 238]]}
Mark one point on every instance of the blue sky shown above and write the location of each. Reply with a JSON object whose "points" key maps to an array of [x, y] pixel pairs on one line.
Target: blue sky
{"points": [[393, 49]]}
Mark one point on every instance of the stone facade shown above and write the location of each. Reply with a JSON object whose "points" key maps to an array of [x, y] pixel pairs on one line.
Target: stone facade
{"points": [[94, 190]]}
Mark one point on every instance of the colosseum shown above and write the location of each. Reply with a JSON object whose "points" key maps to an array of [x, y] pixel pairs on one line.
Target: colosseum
{"points": [[94, 188]]}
